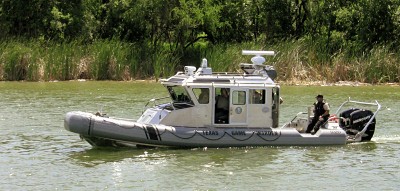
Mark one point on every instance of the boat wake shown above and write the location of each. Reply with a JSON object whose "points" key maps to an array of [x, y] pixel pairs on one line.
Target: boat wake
{"points": [[387, 139]]}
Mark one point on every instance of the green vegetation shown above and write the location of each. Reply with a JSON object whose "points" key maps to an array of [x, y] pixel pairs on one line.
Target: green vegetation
{"points": [[329, 40], [100, 60]]}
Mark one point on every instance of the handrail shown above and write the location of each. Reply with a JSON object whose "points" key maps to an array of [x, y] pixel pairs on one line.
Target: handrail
{"points": [[153, 100], [357, 102], [361, 133], [297, 115]]}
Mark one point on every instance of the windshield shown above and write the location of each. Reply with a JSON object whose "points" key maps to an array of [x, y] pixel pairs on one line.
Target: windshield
{"points": [[180, 97]]}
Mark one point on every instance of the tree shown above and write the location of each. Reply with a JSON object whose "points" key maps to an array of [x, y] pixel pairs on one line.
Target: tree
{"points": [[25, 18], [277, 19]]}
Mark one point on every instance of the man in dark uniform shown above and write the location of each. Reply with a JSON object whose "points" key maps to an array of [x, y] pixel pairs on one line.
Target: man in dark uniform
{"points": [[321, 114]]}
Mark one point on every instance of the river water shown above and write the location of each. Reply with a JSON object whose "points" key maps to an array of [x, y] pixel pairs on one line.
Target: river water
{"points": [[37, 153]]}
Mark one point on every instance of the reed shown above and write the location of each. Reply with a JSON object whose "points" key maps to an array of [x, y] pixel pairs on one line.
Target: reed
{"points": [[47, 61], [60, 61], [306, 60], [165, 64], [296, 60]]}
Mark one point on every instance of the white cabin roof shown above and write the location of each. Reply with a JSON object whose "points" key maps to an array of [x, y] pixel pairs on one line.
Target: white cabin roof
{"points": [[255, 74]]}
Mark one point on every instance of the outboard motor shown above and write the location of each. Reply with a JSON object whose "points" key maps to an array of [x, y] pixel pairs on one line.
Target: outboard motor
{"points": [[354, 120]]}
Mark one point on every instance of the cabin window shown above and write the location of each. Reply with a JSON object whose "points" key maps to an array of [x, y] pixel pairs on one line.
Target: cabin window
{"points": [[238, 97], [257, 96], [180, 97], [202, 95]]}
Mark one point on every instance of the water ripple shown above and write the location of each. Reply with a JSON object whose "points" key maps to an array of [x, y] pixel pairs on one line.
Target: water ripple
{"points": [[38, 154]]}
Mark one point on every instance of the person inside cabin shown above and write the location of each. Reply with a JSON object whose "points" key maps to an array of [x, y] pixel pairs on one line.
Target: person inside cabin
{"points": [[222, 106], [204, 96], [321, 115], [256, 97]]}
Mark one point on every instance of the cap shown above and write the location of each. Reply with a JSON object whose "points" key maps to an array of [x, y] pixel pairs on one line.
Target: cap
{"points": [[319, 96]]}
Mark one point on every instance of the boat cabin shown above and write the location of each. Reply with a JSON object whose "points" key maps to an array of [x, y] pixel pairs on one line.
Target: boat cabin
{"points": [[202, 98]]}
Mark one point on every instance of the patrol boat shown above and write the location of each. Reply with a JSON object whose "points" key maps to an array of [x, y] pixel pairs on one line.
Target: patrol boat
{"points": [[211, 109]]}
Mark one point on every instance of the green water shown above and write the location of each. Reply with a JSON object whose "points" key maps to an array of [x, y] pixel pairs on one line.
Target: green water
{"points": [[37, 153]]}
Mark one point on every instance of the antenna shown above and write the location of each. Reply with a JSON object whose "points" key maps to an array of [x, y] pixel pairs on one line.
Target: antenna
{"points": [[258, 53], [258, 59], [257, 66]]}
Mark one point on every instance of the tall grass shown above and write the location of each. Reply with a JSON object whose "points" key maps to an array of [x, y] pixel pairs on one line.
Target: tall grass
{"points": [[101, 60], [305, 60], [16, 59], [296, 60]]}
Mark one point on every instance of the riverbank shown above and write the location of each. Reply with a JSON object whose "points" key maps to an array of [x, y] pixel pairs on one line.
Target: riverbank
{"points": [[282, 83], [295, 61]]}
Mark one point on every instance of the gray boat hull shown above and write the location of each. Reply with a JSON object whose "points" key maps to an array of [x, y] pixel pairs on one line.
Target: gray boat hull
{"points": [[104, 131]]}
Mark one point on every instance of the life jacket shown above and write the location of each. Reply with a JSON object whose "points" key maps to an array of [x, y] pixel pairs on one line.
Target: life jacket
{"points": [[319, 108]]}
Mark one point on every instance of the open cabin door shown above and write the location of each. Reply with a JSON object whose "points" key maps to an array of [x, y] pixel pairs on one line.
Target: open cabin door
{"points": [[230, 106]]}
